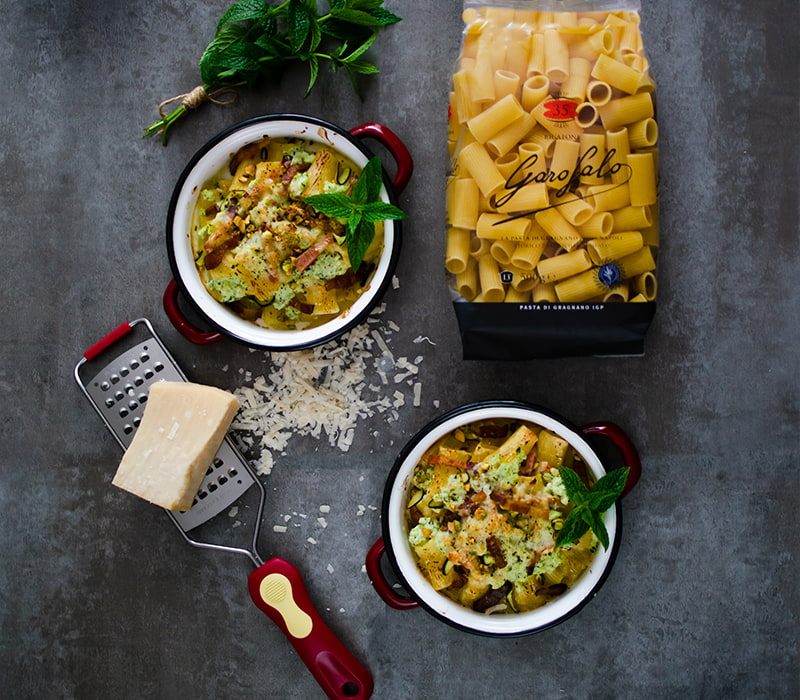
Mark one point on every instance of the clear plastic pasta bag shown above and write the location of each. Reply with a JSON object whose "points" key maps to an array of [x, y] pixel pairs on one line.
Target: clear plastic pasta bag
{"points": [[552, 211]]}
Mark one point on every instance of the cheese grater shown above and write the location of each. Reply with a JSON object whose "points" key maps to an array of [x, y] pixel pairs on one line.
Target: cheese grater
{"points": [[118, 391]]}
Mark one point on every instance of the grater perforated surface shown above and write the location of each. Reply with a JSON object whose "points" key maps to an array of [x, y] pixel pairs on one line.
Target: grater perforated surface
{"points": [[119, 393]]}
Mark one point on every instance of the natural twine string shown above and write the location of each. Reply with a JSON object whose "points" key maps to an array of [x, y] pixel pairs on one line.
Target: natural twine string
{"points": [[193, 99]]}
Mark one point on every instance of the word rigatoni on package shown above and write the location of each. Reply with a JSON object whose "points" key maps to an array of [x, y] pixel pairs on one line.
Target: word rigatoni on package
{"points": [[552, 193]]}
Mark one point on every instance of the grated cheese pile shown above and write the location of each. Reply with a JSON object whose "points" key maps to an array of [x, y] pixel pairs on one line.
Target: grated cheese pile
{"points": [[324, 391]]}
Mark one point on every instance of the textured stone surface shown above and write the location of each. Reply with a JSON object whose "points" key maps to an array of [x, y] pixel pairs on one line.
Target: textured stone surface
{"points": [[100, 596]]}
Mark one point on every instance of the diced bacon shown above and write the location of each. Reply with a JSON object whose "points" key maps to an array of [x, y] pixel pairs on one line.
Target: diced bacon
{"points": [[309, 255]]}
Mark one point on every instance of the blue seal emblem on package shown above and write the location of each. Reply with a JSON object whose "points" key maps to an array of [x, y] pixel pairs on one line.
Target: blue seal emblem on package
{"points": [[609, 274]]}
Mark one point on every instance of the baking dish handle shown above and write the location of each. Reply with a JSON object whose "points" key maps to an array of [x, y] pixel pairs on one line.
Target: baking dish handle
{"points": [[181, 323], [277, 589], [624, 444], [382, 587], [392, 143]]}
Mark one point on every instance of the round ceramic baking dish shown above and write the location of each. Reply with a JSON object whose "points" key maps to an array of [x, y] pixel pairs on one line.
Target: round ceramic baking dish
{"points": [[393, 544], [186, 282]]}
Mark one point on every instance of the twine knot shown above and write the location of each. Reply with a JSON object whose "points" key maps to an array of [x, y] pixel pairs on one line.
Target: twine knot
{"points": [[193, 99]]}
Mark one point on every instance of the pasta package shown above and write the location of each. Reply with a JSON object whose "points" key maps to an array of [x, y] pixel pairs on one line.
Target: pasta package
{"points": [[552, 192]]}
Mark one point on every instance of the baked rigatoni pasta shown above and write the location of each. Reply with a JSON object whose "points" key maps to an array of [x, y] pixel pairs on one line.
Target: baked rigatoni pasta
{"points": [[554, 162]]}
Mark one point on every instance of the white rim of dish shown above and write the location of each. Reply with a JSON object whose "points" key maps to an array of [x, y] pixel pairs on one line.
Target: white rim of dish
{"points": [[214, 160], [500, 624]]}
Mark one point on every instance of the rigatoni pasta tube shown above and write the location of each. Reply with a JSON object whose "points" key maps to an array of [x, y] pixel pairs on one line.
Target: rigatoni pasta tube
{"points": [[558, 228], [637, 263], [528, 198], [505, 83], [463, 203], [598, 226], [642, 184], [505, 139], [592, 152], [536, 55], [618, 147], [643, 134], [574, 87], [617, 293], [494, 118], [562, 266], [498, 226], [544, 293], [562, 165], [522, 280], [608, 197], [598, 93], [467, 281], [646, 285], [465, 108], [616, 74], [574, 209], [631, 218], [534, 90], [527, 254], [457, 250], [501, 250], [478, 163], [626, 110], [556, 56], [580, 287], [492, 287], [616, 246], [517, 296]]}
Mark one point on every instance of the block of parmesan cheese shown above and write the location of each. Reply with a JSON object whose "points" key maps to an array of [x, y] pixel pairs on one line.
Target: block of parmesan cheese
{"points": [[182, 427]]}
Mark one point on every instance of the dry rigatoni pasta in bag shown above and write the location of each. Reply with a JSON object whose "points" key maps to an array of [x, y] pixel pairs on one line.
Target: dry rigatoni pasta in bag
{"points": [[552, 219]]}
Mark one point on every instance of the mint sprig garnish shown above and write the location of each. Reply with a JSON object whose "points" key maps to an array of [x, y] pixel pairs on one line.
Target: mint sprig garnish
{"points": [[256, 40], [361, 210], [590, 504]]}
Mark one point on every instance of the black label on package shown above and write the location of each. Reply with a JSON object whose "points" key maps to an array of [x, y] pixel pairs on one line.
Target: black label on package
{"points": [[505, 331]]}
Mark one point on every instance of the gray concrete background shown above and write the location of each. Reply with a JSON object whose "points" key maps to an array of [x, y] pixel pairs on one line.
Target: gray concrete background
{"points": [[100, 598]]}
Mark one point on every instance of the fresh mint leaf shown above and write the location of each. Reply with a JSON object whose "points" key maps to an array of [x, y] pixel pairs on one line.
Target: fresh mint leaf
{"points": [[335, 205], [380, 211], [362, 210], [573, 529], [359, 241], [358, 17], [368, 187], [576, 489], [243, 11], [299, 21], [384, 17], [595, 520]]}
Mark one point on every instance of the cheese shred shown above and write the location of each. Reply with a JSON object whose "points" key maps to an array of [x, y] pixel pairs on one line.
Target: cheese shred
{"points": [[323, 392]]}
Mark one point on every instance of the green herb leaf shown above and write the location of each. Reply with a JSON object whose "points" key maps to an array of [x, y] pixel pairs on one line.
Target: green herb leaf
{"points": [[608, 489], [590, 504], [359, 239], [576, 489], [335, 205], [380, 211], [573, 529], [362, 210], [242, 11]]}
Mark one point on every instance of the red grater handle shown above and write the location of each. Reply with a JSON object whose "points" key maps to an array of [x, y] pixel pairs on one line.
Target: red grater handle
{"points": [[277, 589], [108, 341]]}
